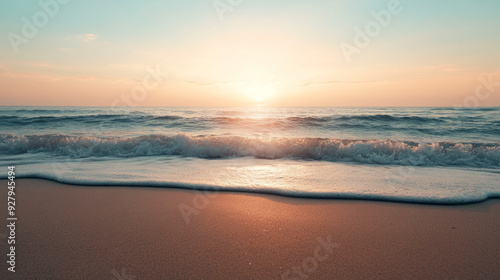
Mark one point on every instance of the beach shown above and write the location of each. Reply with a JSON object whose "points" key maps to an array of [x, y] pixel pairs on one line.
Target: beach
{"points": [[83, 232], [250, 140]]}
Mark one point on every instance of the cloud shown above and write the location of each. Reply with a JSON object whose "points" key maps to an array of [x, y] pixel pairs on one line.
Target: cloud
{"points": [[41, 64], [224, 83], [7, 73], [87, 37], [369, 82], [335, 82], [200, 83]]}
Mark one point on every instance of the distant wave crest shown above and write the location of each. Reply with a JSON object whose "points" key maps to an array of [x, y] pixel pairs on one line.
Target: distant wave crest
{"points": [[390, 118], [231, 118]]}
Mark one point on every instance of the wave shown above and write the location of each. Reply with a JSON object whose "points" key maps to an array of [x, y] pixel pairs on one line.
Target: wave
{"points": [[324, 119], [48, 119], [389, 118], [382, 152], [168, 117], [232, 118], [231, 113]]}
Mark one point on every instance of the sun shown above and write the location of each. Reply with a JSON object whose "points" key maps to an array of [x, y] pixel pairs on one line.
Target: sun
{"points": [[257, 91]]}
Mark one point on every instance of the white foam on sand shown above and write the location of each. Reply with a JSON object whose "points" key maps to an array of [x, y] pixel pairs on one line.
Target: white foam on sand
{"points": [[441, 185]]}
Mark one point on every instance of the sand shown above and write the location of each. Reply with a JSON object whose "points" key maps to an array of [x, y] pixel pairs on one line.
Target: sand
{"points": [[79, 232]]}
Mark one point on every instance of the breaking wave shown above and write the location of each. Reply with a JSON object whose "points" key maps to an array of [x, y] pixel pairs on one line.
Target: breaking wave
{"points": [[384, 152]]}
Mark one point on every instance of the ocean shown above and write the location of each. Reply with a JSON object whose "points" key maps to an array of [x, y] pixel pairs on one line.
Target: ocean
{"points": [[416, 155]]}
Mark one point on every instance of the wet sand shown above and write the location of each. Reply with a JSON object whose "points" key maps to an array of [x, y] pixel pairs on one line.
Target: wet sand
{"points": [[81, 232]]}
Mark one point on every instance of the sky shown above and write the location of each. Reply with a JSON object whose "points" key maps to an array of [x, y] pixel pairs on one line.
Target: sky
{"points": [[250, 53]]}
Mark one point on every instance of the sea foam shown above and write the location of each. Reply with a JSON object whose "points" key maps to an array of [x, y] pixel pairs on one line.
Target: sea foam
{"points": [[375, 151]]}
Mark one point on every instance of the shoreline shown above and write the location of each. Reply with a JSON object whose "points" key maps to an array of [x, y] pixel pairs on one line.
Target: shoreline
{"points": [[273, 192], [77, 232]]}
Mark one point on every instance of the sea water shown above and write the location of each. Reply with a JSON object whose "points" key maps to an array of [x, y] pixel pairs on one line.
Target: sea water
{"points": [[424, 155]]}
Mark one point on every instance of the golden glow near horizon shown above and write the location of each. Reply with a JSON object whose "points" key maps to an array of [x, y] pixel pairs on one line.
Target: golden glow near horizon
{"points": [[257, 91], [257, 85]]}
